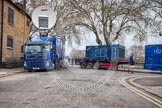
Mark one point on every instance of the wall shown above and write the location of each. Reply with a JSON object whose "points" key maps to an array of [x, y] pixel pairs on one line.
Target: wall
{"points": [[19, 32], [0, 16], [0, 31]]}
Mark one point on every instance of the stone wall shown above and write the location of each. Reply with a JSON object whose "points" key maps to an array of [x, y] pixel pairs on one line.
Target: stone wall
{"points": [[19, 32]]}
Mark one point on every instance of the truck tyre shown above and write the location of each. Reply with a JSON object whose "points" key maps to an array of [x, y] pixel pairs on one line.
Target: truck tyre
{"points": [[81, 66], [84, 65], [90, 65], [51, 68], [96, 65]]}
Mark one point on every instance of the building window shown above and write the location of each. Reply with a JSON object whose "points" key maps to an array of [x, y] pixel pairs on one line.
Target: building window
{"points": [[10, 16], [9, 42]]}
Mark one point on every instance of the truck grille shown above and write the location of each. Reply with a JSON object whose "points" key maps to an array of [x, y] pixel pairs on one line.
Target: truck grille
{"points": [[36, 57], [36, 64]]}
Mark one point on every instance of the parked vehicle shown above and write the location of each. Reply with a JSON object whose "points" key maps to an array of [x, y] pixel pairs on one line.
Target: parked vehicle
{"points": [[104, 56], [153, 57], [43, 52]]}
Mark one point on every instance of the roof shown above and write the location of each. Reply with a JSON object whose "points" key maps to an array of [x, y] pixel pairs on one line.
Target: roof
{"points": [[18, 8]]}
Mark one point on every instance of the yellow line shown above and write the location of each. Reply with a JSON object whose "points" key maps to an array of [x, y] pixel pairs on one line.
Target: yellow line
{"points": [[142, 92], [143, 96], [159, 105], [149, 98]]}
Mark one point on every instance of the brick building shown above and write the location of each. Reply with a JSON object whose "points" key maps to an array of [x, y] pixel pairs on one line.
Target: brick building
{"points": [[14, 29]]}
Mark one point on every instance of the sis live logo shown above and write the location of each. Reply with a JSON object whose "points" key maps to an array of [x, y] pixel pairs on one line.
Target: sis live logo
{"points": [[157, 51]]}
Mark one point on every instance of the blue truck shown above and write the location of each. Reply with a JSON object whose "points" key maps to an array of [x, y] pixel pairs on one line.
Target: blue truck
{"points": [[153, 57], [43, 53], [104, 56]]}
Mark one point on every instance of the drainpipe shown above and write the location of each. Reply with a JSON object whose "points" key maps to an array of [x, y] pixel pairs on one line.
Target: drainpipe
{"points": [[1, 41]]}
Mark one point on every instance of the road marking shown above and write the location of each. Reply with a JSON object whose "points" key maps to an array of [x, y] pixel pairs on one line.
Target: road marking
{"points": [[144, 95], [142, 92]]}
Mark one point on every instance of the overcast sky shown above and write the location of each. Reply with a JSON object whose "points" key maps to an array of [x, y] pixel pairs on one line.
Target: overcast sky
{"points": [[89, 39]]}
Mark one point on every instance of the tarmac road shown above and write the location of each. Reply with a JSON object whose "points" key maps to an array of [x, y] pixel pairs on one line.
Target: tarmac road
{"points": [[70, 88]]}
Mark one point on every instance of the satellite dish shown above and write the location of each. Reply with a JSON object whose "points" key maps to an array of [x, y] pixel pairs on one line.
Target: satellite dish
{"points": [[44, 17]]}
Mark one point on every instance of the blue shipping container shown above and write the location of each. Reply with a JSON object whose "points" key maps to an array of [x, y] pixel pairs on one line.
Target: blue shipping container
{"points": [[105, 52], [99, 53], [117, 52], [153, 57]]}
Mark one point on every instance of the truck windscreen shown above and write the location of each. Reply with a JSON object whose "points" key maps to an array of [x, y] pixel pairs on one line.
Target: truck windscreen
{"points": [[37, 48]]}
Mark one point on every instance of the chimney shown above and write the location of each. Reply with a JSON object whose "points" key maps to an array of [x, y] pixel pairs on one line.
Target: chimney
{"points": [[24, 4], [21, 4]]}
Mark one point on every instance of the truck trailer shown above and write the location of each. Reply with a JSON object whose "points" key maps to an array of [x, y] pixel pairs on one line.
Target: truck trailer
{"points": [[104, 56]]}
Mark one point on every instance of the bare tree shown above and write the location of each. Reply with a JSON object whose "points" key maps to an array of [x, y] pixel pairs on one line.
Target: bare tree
{"points": [[107, 19], [113, 17], [86, 18], [138, 51], [156, 7]]}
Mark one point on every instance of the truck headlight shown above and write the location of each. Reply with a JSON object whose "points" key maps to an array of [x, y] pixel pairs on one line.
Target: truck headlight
{"points": [[47, 63], [25, 64]]}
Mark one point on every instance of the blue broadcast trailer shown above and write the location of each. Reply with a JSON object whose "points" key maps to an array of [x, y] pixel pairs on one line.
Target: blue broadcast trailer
{"points": [[153, 57], [104, 56]]}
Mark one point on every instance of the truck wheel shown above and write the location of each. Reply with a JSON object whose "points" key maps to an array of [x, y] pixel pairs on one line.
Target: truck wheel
{"points": [[89, 65], [52, 67], [84, 65], [96, 65]]}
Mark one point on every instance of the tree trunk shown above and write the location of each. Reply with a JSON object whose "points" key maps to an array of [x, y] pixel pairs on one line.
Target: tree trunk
{"points": [[106, 35], [98, 39]]}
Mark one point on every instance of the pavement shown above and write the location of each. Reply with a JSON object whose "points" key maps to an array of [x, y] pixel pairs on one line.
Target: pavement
{"points": [[141, 71], [10, 71], [150, 84]]}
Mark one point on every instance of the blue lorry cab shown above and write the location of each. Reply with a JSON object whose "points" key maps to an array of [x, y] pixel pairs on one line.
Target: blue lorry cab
{"points": [[43, 53]]}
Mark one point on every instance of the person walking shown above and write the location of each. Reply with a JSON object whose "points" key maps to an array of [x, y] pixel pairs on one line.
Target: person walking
{"points": [[131, 63]]}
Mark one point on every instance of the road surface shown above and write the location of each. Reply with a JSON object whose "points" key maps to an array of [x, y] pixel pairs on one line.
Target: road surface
{"points": [[70, 88]]}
